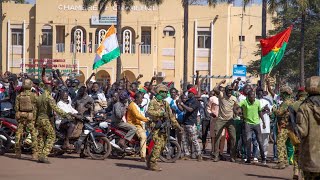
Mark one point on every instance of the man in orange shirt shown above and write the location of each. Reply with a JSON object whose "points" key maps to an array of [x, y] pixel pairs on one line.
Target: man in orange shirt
{"points": [[135, 117]]}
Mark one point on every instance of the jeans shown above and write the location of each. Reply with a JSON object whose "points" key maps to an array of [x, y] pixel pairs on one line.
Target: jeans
{"points": [[249, 128], [264, 141], [205, 129]]}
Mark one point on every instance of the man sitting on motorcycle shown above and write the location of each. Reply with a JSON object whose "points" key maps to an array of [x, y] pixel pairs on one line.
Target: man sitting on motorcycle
{"points": [[135, 117], [66, 125], [118, 118]]}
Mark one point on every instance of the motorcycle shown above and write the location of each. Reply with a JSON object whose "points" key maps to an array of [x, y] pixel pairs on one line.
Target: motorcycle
{"points": [[170, 154], [8, 129], [91, 142]]}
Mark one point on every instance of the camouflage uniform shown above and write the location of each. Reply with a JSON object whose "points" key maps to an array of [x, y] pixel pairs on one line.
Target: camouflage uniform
{"points": [[46, 136], [308, 121], [26, 122], [296, 169], [159, 110], [283, 120]]}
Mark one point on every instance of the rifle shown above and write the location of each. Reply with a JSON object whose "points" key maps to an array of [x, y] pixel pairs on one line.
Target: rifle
{"points": [[292, 118]]}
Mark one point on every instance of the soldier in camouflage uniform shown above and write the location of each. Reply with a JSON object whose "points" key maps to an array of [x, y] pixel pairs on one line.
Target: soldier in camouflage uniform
{"points": [[283, 120], [46, 138], [301, 96], [308, 122], [26, 118], [159, 110]]}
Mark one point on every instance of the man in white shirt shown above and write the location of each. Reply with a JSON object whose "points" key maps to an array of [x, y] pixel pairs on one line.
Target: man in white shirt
{"points": [[266, 108], [66, 124]]}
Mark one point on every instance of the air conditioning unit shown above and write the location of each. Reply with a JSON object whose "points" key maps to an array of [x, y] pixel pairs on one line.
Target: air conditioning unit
{"points": [[161, 74]]}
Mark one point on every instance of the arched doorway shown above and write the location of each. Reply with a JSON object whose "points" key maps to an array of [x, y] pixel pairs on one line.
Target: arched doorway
{"points": [[81, 77], [129, 74], [102, 77]]}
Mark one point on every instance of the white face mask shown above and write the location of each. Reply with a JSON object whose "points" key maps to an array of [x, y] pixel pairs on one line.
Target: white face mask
{"points": [[19, 83]]}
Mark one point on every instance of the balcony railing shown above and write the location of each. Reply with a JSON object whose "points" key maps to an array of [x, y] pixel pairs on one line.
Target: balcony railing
{"points": [[60, 47], [133, 49], [83, 49], [145, 49]]}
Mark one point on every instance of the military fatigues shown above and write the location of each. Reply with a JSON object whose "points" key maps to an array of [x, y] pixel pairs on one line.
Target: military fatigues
{"points": [[308, 120], [158, 110], [46, 136], [283, 120], [296, 170], [26, 120]]}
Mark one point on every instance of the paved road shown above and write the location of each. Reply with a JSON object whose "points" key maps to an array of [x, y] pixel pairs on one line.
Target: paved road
{"points": [[71, 167]]}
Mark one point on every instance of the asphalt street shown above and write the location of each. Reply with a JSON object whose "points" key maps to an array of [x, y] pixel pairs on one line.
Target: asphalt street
{"points": [[72, 167]]}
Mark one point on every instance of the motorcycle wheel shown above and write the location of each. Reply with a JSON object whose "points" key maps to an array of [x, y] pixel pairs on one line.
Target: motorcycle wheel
{"points": [[171, 154], [103, 150], [4, 143]]}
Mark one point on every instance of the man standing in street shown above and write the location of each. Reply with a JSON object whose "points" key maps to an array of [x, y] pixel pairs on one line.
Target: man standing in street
{"points": [[190, 119], [283, 120], [252, 113], [227, 106], [266, 108], [46, 137], [308, 121], [26, 114], [160, 112]]}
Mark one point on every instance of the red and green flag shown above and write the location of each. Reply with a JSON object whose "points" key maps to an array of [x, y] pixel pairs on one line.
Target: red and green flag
{"points": [[273, 49]]}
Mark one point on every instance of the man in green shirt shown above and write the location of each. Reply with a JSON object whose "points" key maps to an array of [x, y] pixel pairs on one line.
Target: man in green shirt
{"points": [[252, 112]]}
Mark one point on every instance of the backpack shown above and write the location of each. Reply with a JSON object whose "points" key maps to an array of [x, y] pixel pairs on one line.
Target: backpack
{"points": [[25, 102]]}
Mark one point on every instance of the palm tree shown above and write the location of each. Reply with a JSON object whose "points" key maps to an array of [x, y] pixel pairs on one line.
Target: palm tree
{"points": [[127, 4], [185, 5]]}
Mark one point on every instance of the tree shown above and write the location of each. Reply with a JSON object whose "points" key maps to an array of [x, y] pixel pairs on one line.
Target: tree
{"points": [[185, 5], [302, 47], [303, 7], [127, 4]]}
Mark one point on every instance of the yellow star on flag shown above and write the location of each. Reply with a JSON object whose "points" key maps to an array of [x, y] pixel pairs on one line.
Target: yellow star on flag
{"points": [[275, 49]]}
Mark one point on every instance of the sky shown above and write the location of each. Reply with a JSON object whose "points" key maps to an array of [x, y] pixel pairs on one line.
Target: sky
{"points": [[237, 2]]}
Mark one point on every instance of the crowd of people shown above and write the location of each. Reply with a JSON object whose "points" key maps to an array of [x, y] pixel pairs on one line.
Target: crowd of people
{"points": [[245, 117]]}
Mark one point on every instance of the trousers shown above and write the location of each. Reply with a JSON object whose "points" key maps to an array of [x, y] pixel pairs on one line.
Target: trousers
{"points": [[160, 140], [219, 127], [311, 175], [249, 128], [190, 132], [46, 137], [22, 125], [281, 145], [129, 127], [141, 133]]}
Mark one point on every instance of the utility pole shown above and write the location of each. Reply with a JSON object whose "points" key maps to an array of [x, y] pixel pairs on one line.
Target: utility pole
{"points": [[241, 36]]}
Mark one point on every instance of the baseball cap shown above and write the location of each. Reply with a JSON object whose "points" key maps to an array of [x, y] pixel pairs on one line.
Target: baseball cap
{"points": [[193, 91]]}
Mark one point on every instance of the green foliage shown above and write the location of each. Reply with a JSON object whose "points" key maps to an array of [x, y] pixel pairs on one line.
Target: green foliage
{"points": [[290, 64]]}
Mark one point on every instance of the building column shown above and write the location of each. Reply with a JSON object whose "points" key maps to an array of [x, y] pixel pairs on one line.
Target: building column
{"points": [[9, 44], [24, 47], [195, 47]]}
